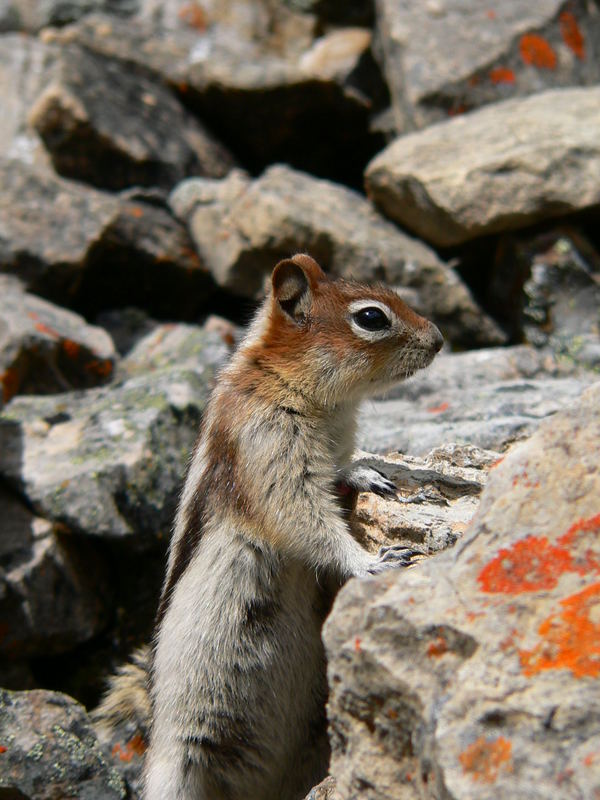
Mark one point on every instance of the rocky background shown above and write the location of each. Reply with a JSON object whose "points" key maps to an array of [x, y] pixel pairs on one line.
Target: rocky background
{"points": [[157, 159]]}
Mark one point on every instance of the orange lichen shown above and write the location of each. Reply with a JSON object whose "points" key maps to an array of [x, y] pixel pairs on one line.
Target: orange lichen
{"points": [[569, 640], [2, 749], [42, 328], [498, 461], [528, 565], [483, 760], [10, 383], [502, 75], [357, 644], [71, 348], [101, 367], [457, 110], [589, 760], [537, 52], [571, 34], [134, 747], [491, 14], [437, 647], [577, 538], [194, 16], [136, 211], [439, 409]]}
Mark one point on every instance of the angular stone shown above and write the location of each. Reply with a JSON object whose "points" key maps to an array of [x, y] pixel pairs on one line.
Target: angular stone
{"points": [[112, 125], [92, 250], [53, 591], [106, 462], [488, 398], [437, 498], [31, 16], [260, 75], [474, 674], [445, 57], [24, 66], [241, 228], [50, 751], [558, 275], [187, 347], [45, 349], [529, 158]]}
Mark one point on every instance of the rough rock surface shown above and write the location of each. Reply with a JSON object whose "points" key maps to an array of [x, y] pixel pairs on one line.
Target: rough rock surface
{"points": [[557, 275], [113, 126], [489, 398], [499, 168], [44, 348], [284, 211], [437, 497], [106, 462], [52, 589], [446, 57], [260, 73], [49, 751], [474, 674], [93, 249], [190, 347], [24, 64]]}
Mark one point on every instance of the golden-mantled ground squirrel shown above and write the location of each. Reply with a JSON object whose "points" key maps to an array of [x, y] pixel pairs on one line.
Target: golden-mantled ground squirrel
{"points": [[261, 542]]}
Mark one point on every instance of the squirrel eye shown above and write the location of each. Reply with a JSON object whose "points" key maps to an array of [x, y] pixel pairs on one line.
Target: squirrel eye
{"points": [[371, 319]]}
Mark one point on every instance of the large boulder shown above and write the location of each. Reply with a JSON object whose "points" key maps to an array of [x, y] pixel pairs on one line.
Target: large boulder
{"points": [[475, 674], [489, 398], [90, 249], [265, 78], [53, 589], [50, 752], [115, 126], [242, 227], [106, 462], [45, 349], [501, 167], [445, 57]]}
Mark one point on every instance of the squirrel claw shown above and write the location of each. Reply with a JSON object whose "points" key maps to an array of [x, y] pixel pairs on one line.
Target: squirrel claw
{"points": [[394, 556]]}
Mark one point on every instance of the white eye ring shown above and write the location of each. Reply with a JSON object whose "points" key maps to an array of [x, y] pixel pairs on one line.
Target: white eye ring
{"points": [[372, 318], [382, 317]]}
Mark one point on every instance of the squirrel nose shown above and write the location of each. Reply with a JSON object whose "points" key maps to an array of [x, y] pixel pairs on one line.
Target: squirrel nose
{"points": [[437, 340]]}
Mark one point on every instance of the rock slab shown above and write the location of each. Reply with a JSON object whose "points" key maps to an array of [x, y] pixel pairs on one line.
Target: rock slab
{"points": [[475, 674], [499, 168], [48, 751]]}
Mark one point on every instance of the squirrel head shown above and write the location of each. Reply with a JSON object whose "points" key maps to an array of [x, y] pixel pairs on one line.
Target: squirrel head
{"points": [[337, 341]]}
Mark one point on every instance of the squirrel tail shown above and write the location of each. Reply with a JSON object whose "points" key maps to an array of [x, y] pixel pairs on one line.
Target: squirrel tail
{"points": [[126, 703]]}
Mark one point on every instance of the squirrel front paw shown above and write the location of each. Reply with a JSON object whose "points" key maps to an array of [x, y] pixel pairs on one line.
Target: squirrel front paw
{"points": [[394, 556], [369, 479]]}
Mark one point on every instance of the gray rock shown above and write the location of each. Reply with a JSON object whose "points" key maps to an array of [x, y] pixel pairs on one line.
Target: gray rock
{"points": [[32, 15], [474, 674], [241, 228], [45, 349], [114, 126], [449, 56], [53, 591], [106, 462], [50, 751], [259, 75], [190, 347], [488, 398], [24, 66], [437, 498], [529, 158], [80, 246]]}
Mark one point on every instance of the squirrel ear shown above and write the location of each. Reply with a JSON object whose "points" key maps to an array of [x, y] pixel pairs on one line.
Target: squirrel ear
{"points": [[291, 289]]}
